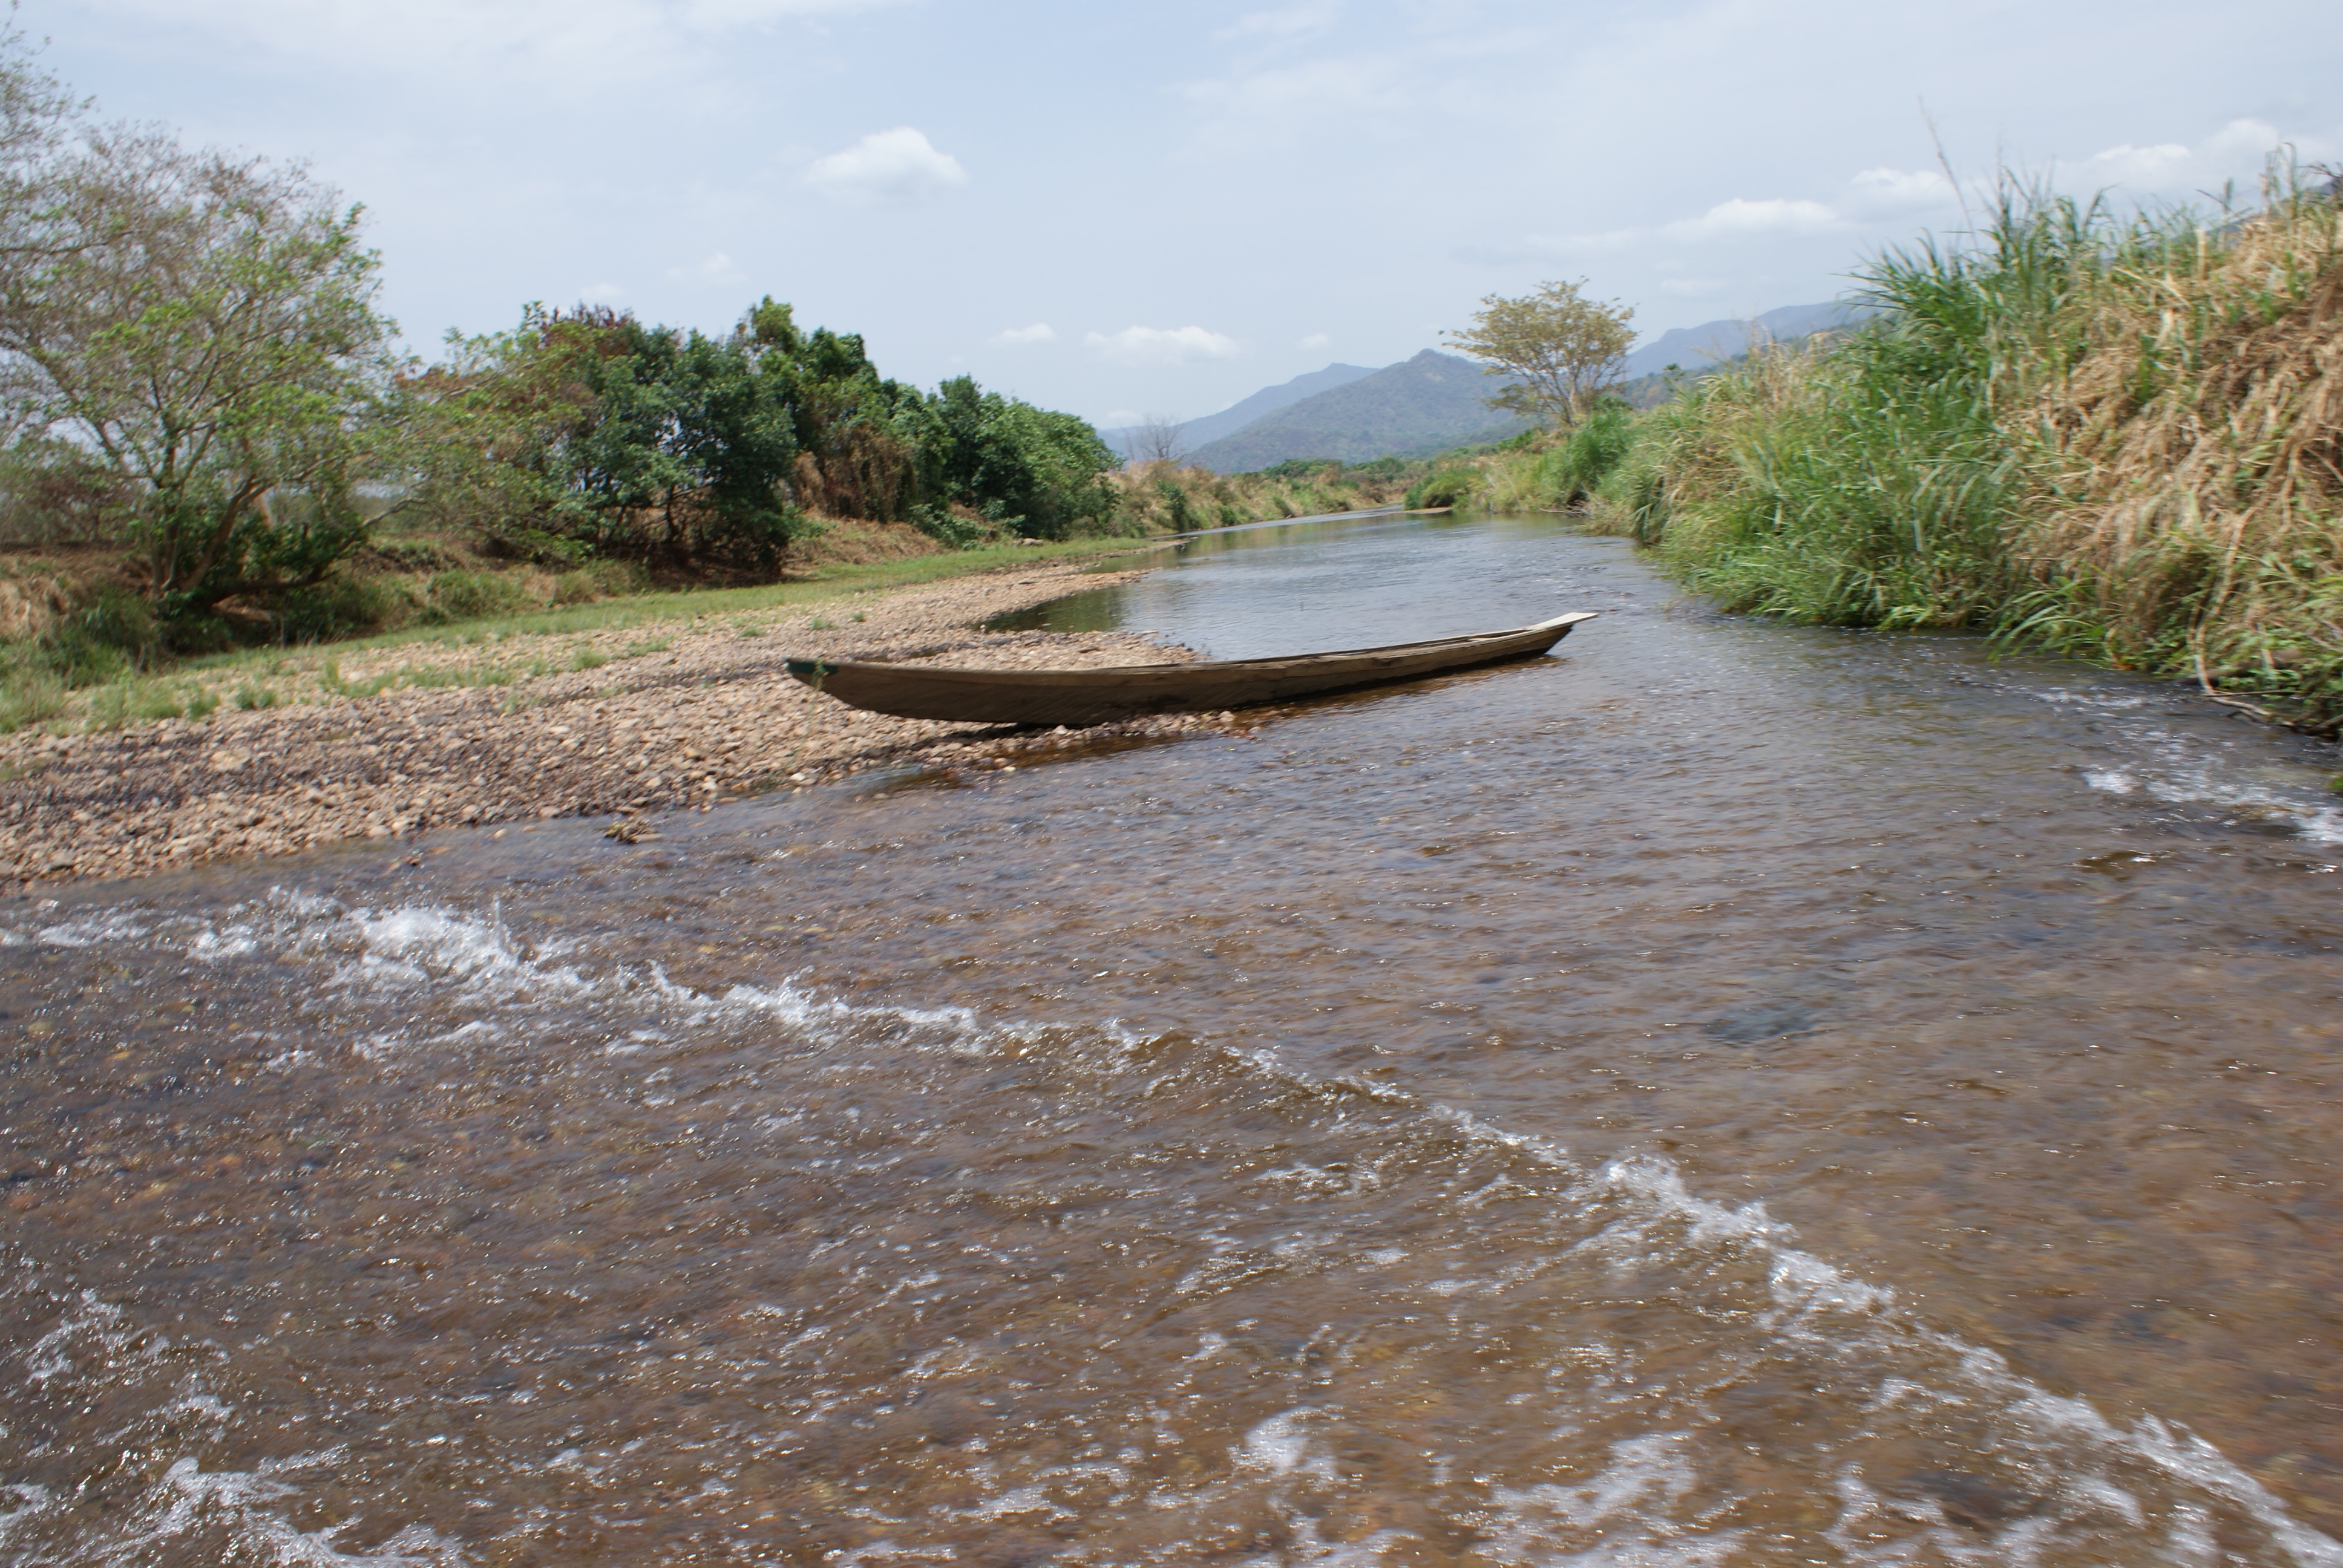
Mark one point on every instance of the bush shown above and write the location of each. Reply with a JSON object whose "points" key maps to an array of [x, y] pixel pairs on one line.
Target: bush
{"points": [[959, 528], [600, 579], [1450, 487], [344, 606], [1569, 474], [101, 638], [29, 694], [471, 595]]}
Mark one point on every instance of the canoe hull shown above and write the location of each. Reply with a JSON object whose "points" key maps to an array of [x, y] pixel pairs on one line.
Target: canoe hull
{"points": [[1084, 697]]}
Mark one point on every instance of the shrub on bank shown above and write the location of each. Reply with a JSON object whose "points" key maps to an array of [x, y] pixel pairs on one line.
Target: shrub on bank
{"points": [[1164, 497], [1445, 488], [2121, 437]]}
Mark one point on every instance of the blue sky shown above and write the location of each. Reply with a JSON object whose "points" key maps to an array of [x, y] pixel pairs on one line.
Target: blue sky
{"points": [[1116, 208]]}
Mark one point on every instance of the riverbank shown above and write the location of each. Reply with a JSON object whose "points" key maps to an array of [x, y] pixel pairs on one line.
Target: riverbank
{"points": [[409, 737], [2117, 438]]}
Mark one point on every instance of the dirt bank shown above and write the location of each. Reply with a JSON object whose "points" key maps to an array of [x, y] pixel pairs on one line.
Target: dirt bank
{"points": [[690, 713]]}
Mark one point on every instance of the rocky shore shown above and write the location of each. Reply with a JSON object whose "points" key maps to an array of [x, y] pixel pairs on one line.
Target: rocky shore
{"points": [[698, 712]]}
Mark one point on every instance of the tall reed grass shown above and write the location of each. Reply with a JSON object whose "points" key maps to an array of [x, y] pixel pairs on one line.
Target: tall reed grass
{"points": [[2120, 436]]}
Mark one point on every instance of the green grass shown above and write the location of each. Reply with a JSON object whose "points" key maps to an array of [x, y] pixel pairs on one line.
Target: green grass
{"points": [[621, 614], [191, 689], [2038, 437]]}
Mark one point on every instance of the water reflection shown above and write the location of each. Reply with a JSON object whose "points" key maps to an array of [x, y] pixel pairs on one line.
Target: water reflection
{"points": [[1270, 589]]}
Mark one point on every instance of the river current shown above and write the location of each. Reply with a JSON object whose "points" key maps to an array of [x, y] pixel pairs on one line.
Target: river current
{"points": [[1717, 1094]]}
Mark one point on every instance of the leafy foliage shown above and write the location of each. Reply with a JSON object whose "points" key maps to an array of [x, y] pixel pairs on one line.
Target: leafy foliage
{"points": [[1026, 468], [590, 434], [1448, 487], [1569, 474], [1561, 347], [192, 340]]}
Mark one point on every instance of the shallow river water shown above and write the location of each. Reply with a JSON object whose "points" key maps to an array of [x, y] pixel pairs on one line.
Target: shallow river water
{"points": [[1717, 1094]]}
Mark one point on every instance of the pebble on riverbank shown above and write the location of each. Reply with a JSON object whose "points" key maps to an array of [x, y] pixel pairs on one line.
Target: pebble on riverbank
{"points": [[709, 717]]}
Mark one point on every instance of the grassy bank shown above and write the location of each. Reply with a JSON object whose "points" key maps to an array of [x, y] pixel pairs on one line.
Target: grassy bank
{"points": [[1169, 498], [76, 653], [2117, 437], [36, 691]]}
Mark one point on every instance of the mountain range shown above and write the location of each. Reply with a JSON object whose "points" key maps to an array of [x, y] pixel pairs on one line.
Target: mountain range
{"points": [[1696, 348], [1434, 402], [1415, 407], [1237, 416]]}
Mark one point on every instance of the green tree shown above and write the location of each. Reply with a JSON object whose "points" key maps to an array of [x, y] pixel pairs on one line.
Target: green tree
{"points": [[1562, 348], [201, 331], [589, 432], [691, 446], [1041, 472]]}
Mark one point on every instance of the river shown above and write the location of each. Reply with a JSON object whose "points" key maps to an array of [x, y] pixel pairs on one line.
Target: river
{"points": [[1720, 1093]]}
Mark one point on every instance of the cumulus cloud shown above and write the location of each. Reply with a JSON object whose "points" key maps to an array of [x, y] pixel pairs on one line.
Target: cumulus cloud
{"points": [[1738, 218], [897, 165], [1162, 345], [1895, 192], [1019, 337], [2234, 153]]}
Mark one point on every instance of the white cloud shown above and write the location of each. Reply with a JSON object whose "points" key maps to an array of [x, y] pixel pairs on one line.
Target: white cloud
{"points": [[1288, 22], [1019, 337], [718, 267], [1739, 217], [1315, 340], [2236, 154], [1895, 192], [897, 165], [1162, 344], [602, 292], [2149, 164]]}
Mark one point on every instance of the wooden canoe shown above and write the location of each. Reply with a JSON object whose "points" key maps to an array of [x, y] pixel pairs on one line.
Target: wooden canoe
{"points": [[1080, 697]]}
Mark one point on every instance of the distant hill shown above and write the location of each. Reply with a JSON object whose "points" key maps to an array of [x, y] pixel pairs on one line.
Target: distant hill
{"points": [[1418, 407], [1268, 400], [1694, 348]]}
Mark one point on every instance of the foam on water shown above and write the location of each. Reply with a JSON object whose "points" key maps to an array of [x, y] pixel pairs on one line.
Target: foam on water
{"points": [[1638, 1212], [2200, 785], [2182, 769], [94, 1353]]}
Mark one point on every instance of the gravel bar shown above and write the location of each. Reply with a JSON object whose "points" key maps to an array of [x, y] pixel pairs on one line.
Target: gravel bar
{"points": [[705, 716]]}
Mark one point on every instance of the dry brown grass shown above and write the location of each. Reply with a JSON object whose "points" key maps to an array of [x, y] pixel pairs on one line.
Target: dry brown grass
{"points": [[2201, 439], [2119, 437], [861, 544]]}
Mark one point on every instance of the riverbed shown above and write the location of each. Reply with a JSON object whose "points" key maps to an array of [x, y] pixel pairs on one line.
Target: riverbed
{"points": [[1719, 1093]]}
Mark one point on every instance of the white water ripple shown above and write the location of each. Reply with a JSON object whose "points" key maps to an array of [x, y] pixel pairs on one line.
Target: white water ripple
{"points": [[474, 960]]}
